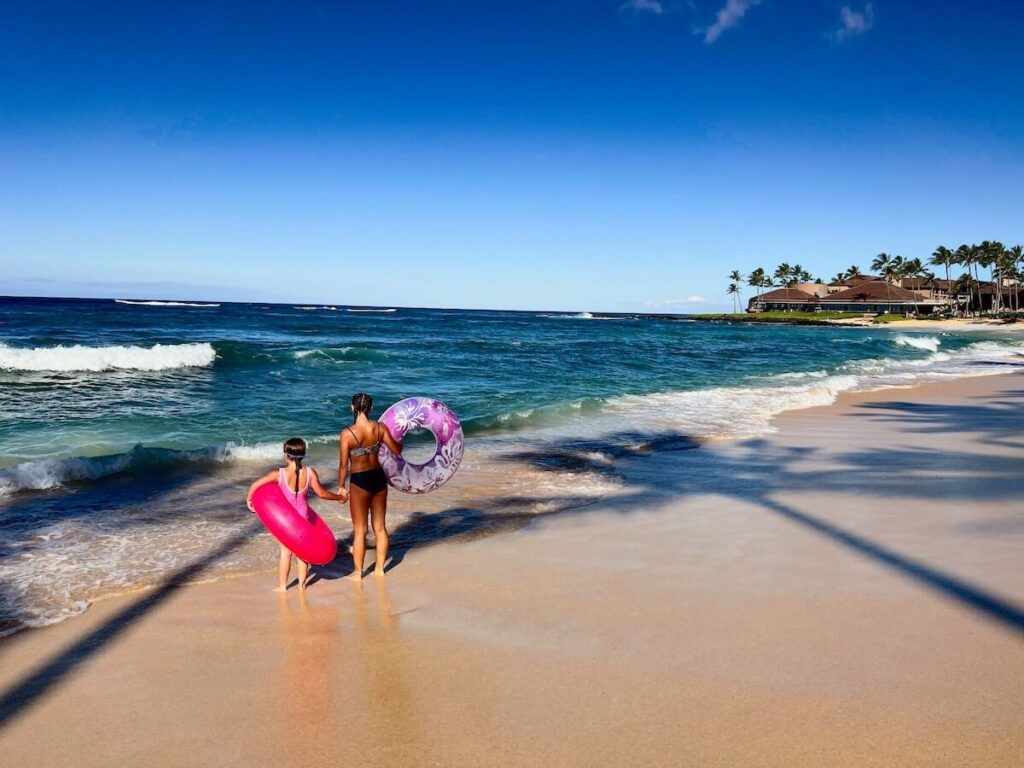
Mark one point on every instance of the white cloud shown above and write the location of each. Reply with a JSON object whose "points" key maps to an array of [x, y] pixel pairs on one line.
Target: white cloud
{"points": [[643, 6], [728, 16], [676, 302], [853, 23]]}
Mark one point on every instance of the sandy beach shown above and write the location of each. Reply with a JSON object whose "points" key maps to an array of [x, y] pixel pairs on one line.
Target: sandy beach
{"points": [[845, 591]]}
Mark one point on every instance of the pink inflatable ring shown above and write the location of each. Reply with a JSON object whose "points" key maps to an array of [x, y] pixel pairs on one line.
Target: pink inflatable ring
{"points": [[308, 539], [416, 413]]}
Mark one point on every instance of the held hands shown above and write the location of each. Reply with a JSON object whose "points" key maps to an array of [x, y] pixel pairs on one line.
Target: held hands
{"points": [[343, 492]]}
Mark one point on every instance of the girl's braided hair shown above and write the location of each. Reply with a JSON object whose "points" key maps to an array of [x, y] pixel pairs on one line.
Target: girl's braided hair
{"points": [[295, 451], [362, 403]]}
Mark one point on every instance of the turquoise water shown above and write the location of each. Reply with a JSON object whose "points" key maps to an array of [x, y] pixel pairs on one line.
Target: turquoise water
{"points": [[244, 375], [95, 395]]}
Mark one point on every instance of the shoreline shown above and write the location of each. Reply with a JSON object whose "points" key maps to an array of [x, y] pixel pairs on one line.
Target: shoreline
{"points": [[764, 633], [502, 482]]}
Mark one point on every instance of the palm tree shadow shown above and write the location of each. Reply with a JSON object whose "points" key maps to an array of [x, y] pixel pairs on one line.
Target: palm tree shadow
{"points": [[752, 471], [37, 682]]}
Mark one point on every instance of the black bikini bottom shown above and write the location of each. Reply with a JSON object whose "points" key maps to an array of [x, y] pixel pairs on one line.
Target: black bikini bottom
{"points": [[372, 481]]}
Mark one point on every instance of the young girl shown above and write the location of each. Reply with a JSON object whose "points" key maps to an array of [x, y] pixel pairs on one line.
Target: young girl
{"points": [[295, 481]]}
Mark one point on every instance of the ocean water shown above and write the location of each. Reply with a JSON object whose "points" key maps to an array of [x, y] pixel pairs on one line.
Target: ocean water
{"points": [[130, 429]]}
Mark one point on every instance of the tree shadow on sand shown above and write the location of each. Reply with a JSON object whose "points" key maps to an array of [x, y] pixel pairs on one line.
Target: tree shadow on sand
{"points": [[37, 682], [752, 472]]}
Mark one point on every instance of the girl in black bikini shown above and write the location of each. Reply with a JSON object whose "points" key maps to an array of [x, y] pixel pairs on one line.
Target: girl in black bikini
{"points": [[358, 447]]}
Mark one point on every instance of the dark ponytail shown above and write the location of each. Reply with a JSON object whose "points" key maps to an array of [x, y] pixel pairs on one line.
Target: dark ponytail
{"points": [[361, 403], [295, 450]]}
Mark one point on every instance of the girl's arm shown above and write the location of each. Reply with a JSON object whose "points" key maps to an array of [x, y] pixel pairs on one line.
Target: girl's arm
{"points": [[395, 446], [323, 493], [267, 478], [343, 459]]}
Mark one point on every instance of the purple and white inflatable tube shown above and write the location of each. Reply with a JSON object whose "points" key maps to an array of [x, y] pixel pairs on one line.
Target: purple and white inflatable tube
{"points": [[422, 413]]}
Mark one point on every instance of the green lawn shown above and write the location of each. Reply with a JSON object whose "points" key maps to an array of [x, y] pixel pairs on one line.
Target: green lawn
{"points": [[799, 318], [891, 318]]}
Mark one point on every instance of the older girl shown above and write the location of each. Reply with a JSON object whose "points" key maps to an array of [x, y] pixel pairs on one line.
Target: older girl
{"points": [[358, 448]]}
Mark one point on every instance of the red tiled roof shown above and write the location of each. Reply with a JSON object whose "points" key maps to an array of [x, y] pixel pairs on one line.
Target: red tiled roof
{"points": [[856, 280], [787, 296], [924, 284], [874, 292]]}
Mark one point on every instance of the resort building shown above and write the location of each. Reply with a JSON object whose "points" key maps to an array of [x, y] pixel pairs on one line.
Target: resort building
{"points": [[879, 296], [783, 299], [934, 288], [874, 295], [863, 294]]}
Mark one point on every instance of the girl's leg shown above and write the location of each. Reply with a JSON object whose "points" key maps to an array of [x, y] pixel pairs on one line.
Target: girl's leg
{"points": [[284, 567], [378, 511], [303, 568], [359, 506]]}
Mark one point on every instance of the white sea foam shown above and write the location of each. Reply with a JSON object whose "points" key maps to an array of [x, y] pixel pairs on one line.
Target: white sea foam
{"points": [[927, 343], [372, 310], [725, 411], [159, 357], [744, 411], [164, 303]]}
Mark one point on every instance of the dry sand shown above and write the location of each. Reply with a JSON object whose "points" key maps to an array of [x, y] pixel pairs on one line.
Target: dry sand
{"points": [[846, 591]]}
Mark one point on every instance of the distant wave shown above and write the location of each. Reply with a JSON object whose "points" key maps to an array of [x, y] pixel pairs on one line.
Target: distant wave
{"points": [[80, 358], [568, 316], [371, 310], [341, 355], [927, 343], [587, 316], [323, 308], [164, 303]]}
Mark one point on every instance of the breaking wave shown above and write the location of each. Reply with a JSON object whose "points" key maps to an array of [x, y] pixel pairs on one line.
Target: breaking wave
{"points": [[45, 474], [159, 357], [926, 343]]}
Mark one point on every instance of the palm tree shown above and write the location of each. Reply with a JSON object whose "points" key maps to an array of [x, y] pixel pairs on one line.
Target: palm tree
{"points": [[782, 273], [799, 275], [943, 257], [914, 269], [965, 284], [965, 255], [883, 264], [737, 280], [756, 280], [1016, 255], [840, 276], [734, 290], [987, 256]]}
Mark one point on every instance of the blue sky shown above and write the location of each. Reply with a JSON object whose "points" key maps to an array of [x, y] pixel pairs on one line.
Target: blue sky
{"points": [[570, 154]]}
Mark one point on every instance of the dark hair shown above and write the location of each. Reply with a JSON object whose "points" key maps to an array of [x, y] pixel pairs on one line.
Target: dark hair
{"points": [[362, 403], [295, 450]]}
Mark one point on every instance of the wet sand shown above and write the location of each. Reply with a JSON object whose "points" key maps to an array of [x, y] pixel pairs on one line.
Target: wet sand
{"points": [[845, 591]]}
